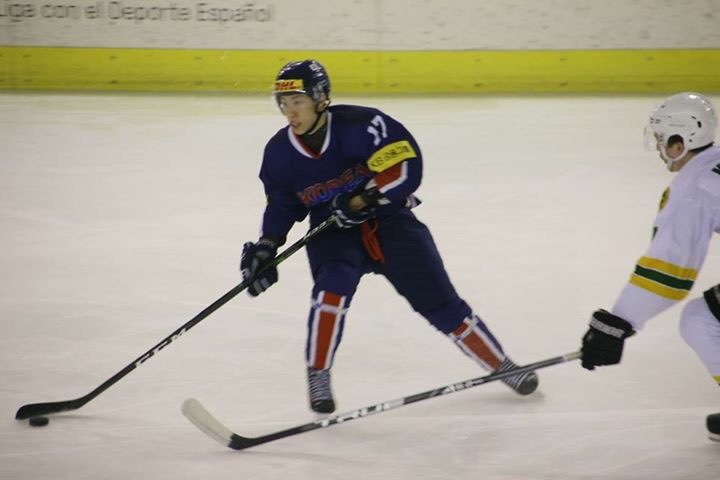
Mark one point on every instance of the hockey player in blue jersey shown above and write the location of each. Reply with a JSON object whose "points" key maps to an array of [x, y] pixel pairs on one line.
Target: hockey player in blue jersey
{"points": [[362, 166]]}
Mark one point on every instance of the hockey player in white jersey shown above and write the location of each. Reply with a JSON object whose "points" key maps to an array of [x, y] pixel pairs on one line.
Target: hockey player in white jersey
{"points": [[682, 129]]}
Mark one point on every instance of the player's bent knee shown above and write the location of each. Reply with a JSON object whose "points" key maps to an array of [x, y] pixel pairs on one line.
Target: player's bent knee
{"points": [[448, 316], [338, 277], [694, 321]]}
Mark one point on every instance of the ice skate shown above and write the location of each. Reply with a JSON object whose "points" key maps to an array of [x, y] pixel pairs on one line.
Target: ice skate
{"points": [[524, 384], [713, 426], [321, 398]]}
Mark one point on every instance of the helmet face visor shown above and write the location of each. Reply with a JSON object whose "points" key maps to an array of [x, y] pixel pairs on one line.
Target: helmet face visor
{"points": [[655, 138], [652, 140], [286, 88], [295, 101]]}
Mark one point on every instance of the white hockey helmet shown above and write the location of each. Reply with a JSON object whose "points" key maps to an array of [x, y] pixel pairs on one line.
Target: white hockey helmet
{"points": [[689, 115]]}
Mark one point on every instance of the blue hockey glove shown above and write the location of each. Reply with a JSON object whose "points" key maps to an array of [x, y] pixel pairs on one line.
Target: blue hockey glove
{"points": [[603, 342], [255, 256], [347, 217]]}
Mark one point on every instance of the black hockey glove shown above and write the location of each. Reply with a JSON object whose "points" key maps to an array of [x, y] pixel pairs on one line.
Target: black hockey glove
{"points": [[603, 343], [346, 217], [255, 256]]}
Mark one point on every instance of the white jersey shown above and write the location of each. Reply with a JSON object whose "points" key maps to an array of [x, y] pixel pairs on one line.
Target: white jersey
{"points": [[689, 215]]}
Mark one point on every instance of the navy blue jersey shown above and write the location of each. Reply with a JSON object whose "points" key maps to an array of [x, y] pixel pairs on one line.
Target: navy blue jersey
{"points": [[363, 145]]}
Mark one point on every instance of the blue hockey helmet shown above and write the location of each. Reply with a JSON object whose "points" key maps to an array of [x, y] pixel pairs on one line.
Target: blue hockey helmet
{"points": [[307, 76]]}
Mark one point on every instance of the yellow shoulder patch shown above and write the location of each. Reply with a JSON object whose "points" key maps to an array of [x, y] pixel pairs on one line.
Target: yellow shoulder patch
{"points": [[391, 155]]}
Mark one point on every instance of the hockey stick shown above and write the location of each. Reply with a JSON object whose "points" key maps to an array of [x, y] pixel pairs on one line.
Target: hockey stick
{"points": [[35, 409], [202, 419]]}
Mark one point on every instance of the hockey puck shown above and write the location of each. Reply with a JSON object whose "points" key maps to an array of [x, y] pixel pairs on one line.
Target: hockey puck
{"points": [[39, 421]]}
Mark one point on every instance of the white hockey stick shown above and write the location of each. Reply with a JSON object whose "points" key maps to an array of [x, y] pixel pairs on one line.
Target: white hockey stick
{"points": [[201, 418]]}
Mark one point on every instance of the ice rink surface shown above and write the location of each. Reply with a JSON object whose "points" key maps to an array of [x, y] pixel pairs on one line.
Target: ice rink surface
{"points": [[123, 216]]}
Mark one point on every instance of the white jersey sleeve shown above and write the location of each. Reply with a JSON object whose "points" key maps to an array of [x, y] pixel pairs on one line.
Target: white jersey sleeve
{"points": [[689, 215]]}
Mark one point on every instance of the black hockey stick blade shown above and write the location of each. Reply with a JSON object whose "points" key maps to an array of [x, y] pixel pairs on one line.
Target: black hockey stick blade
{"points": [[35, 409], [211, 426]]}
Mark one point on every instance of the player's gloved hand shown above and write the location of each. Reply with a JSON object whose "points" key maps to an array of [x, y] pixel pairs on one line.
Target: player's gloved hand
{"points": [[603, 342], [255, 256], [345, 215]]}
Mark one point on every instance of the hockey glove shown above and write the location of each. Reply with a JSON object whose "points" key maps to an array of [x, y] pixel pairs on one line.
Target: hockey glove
{"points": [[603, 343], [255, 256], [346, 216]]}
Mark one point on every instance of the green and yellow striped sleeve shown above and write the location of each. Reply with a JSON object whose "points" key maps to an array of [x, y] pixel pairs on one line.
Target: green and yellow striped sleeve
{"points": [[662, 278]]}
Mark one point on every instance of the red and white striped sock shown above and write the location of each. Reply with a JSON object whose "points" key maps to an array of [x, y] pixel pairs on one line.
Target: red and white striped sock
{"points": [[325, 329]]}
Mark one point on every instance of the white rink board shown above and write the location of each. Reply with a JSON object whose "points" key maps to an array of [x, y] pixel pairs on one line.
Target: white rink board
{"points": [[362, 24]]}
